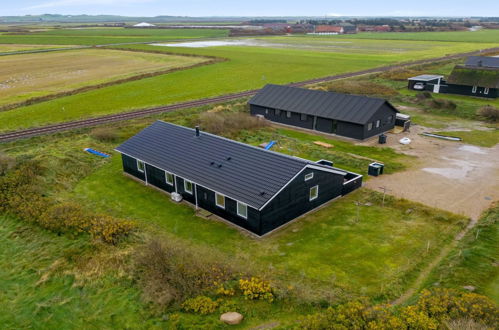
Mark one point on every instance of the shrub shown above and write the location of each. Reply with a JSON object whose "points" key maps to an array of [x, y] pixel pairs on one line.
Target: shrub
{"points": [[255, 288], [21, 194], [200, 305], [72, 218], [104, 134], [433, 310], [6, 163], [421, 97], [170, 271], [223, 291], [442, 104], [447, 304], [227, 123], [489, 113], [359, 87]]}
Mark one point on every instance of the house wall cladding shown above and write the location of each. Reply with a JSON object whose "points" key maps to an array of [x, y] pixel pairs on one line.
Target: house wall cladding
{"points": [[386, 116], [457, 89], [293, 200], [206, 200], [206, 197], [130, 167], [157, 178], [330, 126], [281, 117]]}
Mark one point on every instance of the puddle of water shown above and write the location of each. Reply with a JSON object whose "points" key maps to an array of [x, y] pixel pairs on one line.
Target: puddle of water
{"points": [[473, 149], [241, 42], [460, 171], [202, 44]]}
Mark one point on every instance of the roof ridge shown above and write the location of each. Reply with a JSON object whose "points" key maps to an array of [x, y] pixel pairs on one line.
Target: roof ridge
{"points": [[306, 161]]}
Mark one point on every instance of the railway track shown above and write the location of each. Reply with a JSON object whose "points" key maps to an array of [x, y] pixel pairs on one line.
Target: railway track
{"points": [[31, 132]]}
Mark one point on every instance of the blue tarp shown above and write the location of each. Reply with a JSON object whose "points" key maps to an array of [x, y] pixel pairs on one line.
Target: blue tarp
{"points": [[95, 152]]}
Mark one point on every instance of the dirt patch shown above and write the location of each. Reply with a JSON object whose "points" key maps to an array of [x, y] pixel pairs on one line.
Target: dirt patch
{"points": [[453, 176]]}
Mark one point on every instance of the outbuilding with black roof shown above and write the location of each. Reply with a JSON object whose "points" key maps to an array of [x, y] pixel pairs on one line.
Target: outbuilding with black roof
{"points": [[253, 188], [353, 116]]}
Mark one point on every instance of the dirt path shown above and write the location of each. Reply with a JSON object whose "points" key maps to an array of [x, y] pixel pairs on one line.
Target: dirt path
{"points": [[435, 262]]}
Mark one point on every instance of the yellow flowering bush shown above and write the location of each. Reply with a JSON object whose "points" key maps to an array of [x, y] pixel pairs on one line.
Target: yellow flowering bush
{"points": [[223, 291], [71, 218], [446, 304], [255, 288], [200, 305], [433, 310]]}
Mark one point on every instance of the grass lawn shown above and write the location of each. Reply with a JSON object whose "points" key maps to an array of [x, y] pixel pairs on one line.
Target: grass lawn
{"points": [[344, 154], [477, 137], [482, 36], [4, 48], [101, 36], [35, 292], [246, 68], [327, 248], [474, 261], [33, 75]]}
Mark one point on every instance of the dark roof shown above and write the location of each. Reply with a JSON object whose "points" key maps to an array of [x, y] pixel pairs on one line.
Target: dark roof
{"points": [[249, 171], [483, 61], [350, 108], [474, 76]]}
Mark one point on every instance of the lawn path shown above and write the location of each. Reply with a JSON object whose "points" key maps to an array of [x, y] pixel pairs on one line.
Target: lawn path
{"points": [[431, 266]]}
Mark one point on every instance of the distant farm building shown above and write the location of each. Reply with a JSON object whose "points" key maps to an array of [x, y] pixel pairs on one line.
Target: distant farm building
{"points": [[253, 188], [328, 29], [343, 28], [353, 116], [144, 24], [479, 76]]}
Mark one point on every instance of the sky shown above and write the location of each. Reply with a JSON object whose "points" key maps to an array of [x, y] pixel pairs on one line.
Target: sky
{"points": [[253, 7]]}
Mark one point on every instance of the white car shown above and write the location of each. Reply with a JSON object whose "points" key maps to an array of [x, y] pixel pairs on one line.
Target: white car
{"points": [[418, 86]]}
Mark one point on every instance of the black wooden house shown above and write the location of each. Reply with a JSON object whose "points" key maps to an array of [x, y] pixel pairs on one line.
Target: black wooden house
{"points": [[479, 76], [253, 188], [353, 116]]}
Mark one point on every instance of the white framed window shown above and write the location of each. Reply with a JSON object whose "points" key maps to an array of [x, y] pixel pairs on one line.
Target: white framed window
{"points": [[474, 89], [303, 116], [277, 112], [242, 210], [188, 186], [369, 126], [377, 123], [288, 114], [486, 90], [390, 118], [266, 111], [220, 200], [169, 178], [140, 166], [309, 176], [314, 193]]}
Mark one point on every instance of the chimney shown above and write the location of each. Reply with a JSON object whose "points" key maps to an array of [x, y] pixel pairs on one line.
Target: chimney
{"points": [[197, 130]]}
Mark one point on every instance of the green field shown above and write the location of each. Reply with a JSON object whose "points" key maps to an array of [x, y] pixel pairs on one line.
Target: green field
{"points": [[35, 293], [473, 262], [482, 36], [101, 36], [246, 68]]}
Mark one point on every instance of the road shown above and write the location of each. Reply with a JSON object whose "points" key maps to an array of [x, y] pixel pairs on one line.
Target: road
{"points": [[31, 132]]}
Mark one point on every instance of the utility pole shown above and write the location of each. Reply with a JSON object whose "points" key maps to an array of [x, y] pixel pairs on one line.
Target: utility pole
{"points": [[385, 189]]}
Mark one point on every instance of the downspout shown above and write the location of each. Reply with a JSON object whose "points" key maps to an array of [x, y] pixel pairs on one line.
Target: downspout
{"points": [[196, 194], [145, 173]]}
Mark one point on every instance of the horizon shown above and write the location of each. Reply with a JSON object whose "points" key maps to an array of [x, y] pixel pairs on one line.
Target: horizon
{"points": [[258, 8]]}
